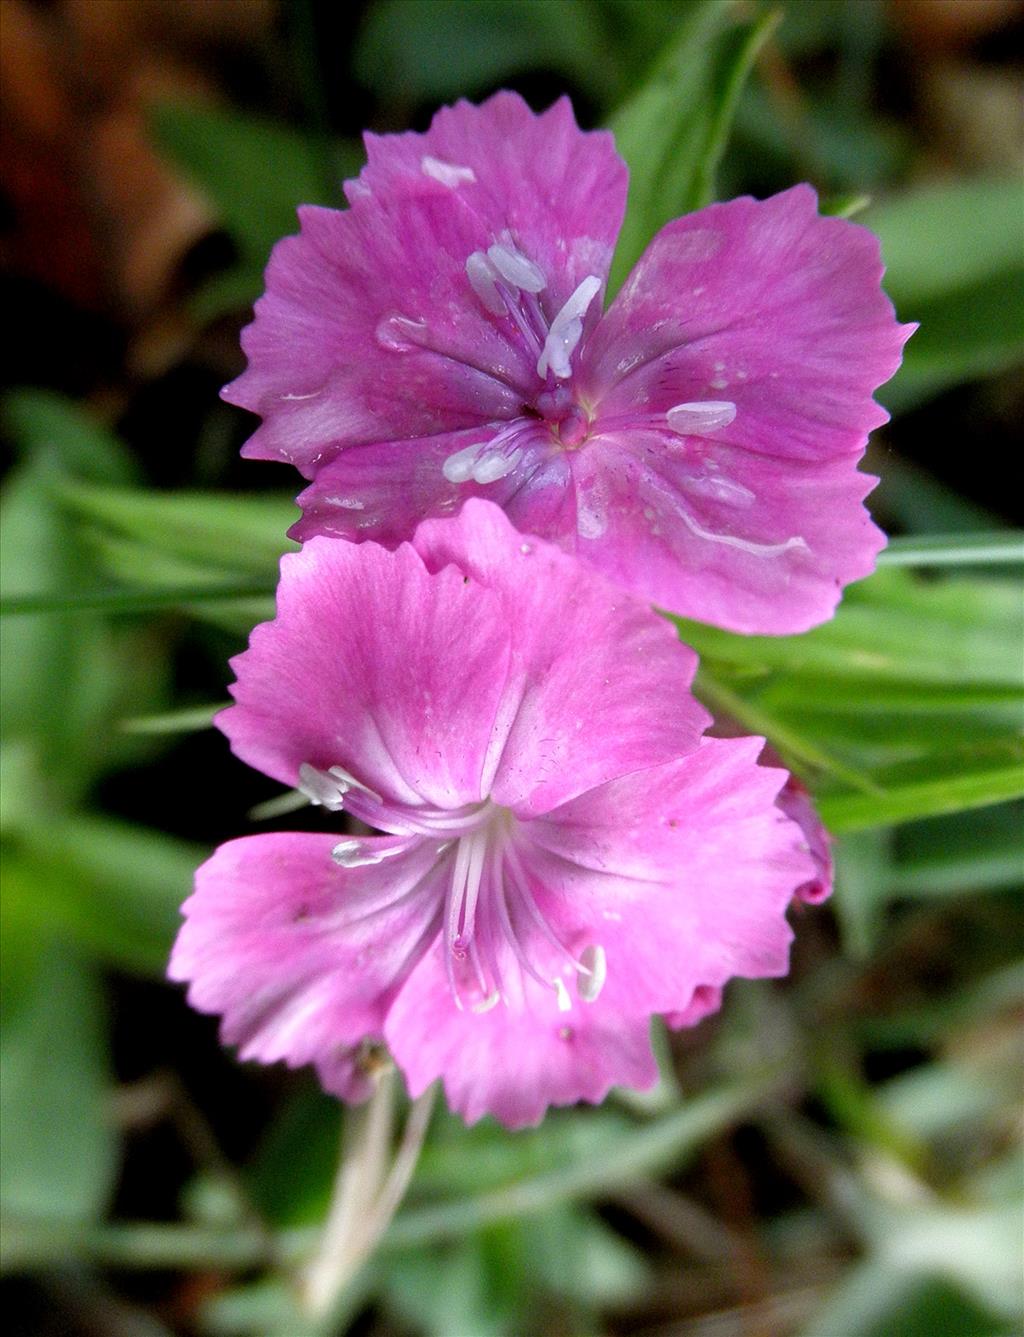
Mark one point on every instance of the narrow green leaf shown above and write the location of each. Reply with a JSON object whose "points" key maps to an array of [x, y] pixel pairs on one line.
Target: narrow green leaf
{"points": [[645, 1148], [40, 421], [969, 299], [234, 533], [672, 131], [90, 670], [114, 888], [58, 1148], [863, 878], [844, 206], [889, 629], [972, 852], [1001, 548], [648, 1148], [922, 234], [134, 601], [438, 51], [970, 782], [970, 334], [800, 752]]}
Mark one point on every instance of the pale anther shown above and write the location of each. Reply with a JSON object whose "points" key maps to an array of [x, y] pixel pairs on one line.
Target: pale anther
{"points": [[327, 789], [567, 329], [562, 994], [485, 1004], [490, 467], [458, 468], [482, 275], [516, 268], [480, 464], [356, 854], [701, 417], [595, 963]]}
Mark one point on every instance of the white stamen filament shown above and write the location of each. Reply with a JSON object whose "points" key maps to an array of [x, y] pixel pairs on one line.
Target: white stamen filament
{"points": [[566, 330], [489, 905], [701, 417]]}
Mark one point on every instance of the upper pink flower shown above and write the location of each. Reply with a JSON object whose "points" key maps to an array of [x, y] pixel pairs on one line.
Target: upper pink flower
{"points": [[697, 442], [564, 854]]}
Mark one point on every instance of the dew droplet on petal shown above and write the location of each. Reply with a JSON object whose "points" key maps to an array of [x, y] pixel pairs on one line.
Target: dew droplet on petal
{"points": [[399, 334], [449, 174], [701, 417]]}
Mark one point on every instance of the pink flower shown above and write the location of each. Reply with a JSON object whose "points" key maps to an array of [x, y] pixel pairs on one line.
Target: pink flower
{"points": [[563, 855], [444, 338], [795, 802]]}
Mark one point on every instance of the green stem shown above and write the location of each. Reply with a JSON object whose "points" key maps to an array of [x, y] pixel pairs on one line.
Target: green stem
{"points": [[357, 1185]]}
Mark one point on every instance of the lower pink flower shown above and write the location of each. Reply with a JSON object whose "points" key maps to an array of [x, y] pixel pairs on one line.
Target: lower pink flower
{"points": [[564, 855]]}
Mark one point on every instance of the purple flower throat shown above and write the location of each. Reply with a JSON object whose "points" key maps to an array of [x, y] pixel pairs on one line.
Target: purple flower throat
{"points": [[556, 408]]}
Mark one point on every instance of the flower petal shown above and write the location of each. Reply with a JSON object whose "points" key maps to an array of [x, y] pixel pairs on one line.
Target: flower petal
{"points": [[795, 802], [513, 1064], [682, 873], [375, 665], [598, 684], [559, 192], [707, 999], [370, 330], [724, 535], [300, 957], [764, 304], [337, 353], [381, 492]]}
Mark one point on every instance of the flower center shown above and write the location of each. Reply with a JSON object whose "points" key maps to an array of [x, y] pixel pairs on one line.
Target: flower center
{"points": [[509, 286], [490, 916]]}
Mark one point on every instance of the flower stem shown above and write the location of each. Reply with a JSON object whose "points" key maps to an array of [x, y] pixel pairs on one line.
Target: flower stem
{"points": [[368, 1189]]}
